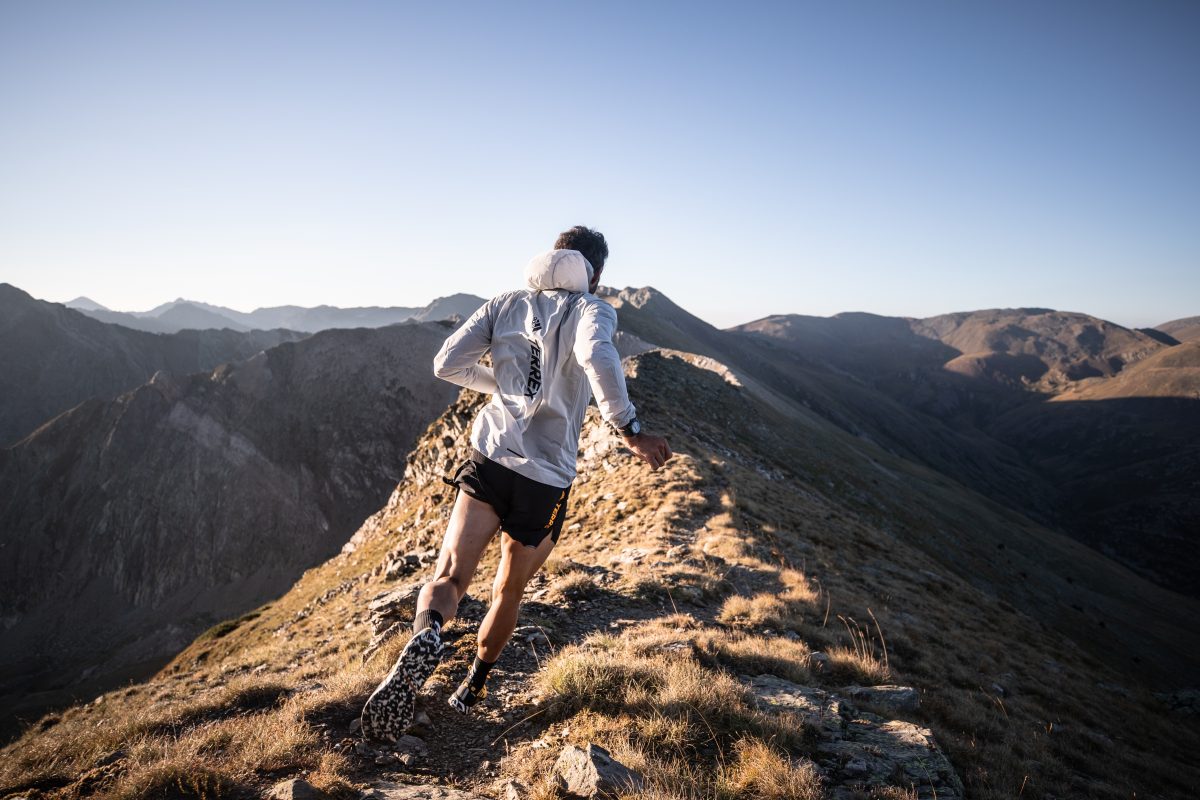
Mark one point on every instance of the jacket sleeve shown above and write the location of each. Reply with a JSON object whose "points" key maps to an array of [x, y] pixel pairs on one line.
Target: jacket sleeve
{"points": [[596, 353], [458, 359]]}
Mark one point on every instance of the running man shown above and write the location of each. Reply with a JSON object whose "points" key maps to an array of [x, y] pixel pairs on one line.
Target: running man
{"points": [[551, 347]]}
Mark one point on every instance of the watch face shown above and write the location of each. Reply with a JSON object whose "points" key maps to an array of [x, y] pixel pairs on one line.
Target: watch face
{"points": [[636, 427]]}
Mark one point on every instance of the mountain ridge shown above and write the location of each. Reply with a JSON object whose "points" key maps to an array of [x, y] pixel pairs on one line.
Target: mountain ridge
{"points": [[1185, 330], [173, 504], [53, 357], [740, 558], [182, 313]]}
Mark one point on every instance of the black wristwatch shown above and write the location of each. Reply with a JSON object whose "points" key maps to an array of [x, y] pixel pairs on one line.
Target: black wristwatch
{"points": [[631, 428]]}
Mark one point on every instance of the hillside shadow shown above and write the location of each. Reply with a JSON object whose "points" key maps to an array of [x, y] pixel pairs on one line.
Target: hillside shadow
{"points": [[1120, 475], [1127, 472]]}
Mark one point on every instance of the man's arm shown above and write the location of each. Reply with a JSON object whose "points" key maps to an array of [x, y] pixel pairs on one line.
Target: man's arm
{"points": [[458, 359], [595, 352]]}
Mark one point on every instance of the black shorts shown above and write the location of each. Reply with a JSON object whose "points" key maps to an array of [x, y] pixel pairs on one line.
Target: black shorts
{"points": [[528, 509]]}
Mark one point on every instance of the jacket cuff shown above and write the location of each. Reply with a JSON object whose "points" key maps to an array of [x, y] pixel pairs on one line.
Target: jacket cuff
{"points": [[624, 418]]}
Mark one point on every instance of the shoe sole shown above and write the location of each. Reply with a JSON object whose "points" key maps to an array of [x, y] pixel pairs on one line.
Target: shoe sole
{"points": [[389, 710]]}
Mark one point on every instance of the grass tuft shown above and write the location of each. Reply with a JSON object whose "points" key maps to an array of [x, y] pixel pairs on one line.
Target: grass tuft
{"points": [[762, 772], [178, 780]]}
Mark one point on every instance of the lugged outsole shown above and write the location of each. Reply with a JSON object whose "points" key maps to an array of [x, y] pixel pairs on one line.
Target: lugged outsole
{"points": [[390, 709]]}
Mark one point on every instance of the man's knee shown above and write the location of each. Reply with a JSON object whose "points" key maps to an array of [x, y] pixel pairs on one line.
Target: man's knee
{"points": [[453, 583]]}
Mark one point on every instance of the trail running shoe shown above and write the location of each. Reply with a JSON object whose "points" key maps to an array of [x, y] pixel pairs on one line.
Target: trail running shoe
{"points": [[464, 697], [389, 710]]}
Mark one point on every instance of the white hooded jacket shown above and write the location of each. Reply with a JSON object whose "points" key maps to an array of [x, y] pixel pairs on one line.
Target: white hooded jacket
{"points": [[551, 346]]}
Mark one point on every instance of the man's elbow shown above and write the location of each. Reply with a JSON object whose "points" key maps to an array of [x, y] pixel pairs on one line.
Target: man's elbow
{"points": [[443, 370]]}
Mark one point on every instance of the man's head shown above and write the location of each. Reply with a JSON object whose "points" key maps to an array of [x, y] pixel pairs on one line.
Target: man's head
{"points": [[589, 242]]}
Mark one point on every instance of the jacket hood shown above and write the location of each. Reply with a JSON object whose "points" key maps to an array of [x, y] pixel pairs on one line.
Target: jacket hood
{"points": [[558, 269]]}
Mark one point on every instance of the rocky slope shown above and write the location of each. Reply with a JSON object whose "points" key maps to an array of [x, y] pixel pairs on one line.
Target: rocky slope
{"points": [[193, 498], [53, 358], [705, 624]]}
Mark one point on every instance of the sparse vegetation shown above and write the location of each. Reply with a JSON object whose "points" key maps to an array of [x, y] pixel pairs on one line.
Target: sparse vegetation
{"points": [[656, 675], [574, 586], [642, 695]]}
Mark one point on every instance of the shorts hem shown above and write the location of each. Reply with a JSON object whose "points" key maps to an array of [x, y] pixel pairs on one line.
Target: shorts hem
{"points": [[523, 537]]}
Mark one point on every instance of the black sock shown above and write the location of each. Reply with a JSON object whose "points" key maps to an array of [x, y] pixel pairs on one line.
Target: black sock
{"points": [[429, 618], [479, 672]]}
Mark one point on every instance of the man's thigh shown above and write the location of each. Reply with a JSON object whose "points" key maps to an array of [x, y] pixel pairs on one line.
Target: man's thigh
{"points": [[472, 525], [519, 562]]}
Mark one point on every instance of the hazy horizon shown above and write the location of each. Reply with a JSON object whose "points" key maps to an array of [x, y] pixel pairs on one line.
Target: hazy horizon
{"points": [[422, 304], [776, 158]]}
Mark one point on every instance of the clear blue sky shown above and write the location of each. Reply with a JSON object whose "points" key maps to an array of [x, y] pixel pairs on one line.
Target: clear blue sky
{"points": [[746, 159]]}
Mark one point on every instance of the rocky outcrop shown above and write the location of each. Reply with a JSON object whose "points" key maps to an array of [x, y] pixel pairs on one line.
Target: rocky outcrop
{"points": [[892, 698], [858, 750]]}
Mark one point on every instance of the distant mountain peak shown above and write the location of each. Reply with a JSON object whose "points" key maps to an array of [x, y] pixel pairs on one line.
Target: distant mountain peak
{"points": [[85, 303]]}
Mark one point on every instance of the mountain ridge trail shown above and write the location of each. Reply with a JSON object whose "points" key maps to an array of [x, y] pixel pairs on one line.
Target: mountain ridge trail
{"points": [[762, 562]]}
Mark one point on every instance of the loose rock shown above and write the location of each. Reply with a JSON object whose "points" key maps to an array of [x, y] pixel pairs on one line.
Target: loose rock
{"points": [[515, 790], [410, 744], [891, 698], [592, 772], [296, 789]]}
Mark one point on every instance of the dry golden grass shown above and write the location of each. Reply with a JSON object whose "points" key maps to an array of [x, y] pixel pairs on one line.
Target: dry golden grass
{"points": [[647, 696], [785, 608], [560, 565], [176, 779], [753, 655], [198, 743], [851, 665], [574, 586], [759, 771]]}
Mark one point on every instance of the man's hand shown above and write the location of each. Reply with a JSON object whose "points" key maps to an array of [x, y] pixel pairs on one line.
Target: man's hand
{"points": [[654, 450]]}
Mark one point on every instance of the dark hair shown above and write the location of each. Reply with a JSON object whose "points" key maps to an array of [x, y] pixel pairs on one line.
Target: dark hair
{"points": [[587, 241]]}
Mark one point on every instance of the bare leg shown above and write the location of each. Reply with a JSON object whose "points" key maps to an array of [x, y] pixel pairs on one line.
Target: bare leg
{"points": [[518, 564], [473, 523]]}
